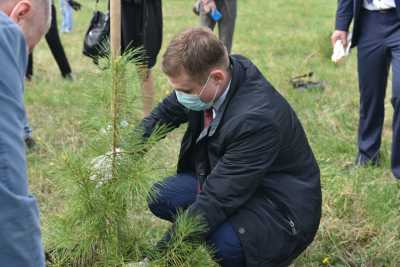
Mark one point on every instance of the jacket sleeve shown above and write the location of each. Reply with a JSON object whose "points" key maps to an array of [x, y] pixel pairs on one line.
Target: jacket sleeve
{"points": [[344, 14], [169, 114], [20, 243], [250, 151]]}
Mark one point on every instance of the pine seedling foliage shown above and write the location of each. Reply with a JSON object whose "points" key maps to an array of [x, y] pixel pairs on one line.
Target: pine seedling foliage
{"points": [[103, 221], [96, 228], [184, 249]]}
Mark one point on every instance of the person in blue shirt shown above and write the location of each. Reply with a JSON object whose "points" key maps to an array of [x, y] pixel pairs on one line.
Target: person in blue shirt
{"points": [[22, 24]]}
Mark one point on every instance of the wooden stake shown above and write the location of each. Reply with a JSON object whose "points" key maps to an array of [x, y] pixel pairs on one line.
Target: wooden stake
{"points": [[115, 28], [115, 43]]}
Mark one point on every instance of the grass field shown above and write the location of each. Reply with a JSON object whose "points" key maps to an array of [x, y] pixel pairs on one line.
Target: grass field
{"points": [[361, 218]]}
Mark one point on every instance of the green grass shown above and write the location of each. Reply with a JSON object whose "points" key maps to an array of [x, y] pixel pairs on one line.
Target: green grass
{"points": [[360, 223]]}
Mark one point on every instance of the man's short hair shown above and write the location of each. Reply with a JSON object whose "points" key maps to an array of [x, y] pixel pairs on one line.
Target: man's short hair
{"points": [[195, 51]]}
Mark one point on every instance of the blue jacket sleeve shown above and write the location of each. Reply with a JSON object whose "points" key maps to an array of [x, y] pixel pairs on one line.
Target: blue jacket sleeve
{"points": [[344, 14], [20, 243]]}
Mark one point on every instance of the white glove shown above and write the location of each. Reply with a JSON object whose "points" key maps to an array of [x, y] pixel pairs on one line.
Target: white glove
{"points": [[101, 168], [339, 51], [108, 128]]}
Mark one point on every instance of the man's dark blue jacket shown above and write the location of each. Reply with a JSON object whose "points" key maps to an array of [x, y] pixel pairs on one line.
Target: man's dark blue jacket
{"points": [[262, 174], [347, 11]]}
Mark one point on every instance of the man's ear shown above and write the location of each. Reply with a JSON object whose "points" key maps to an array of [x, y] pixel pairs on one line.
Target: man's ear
{"points": [[218, 75], [20, 10]]}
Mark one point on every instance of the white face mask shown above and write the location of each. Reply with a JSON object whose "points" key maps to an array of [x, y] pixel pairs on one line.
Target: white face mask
{"points": [[194, 102]]}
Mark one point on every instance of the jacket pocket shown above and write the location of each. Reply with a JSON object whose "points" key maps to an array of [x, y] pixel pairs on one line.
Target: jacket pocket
{"points": [[283, 219]]}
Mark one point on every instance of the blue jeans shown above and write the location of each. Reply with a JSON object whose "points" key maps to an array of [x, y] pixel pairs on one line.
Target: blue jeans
{"points": [[66, 11], [179, 192]]}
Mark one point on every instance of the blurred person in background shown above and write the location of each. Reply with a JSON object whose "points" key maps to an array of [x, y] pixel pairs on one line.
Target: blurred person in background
{"points": [[142, 26], [54, 42], [226, 24], [67, 7]]}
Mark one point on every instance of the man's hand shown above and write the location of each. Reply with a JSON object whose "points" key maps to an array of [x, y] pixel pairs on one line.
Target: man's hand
{"points": [[339, 35], [208, 5]]}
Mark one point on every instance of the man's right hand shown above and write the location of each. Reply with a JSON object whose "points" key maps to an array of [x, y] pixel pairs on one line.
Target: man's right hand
{"points": [[339, 35], [208, 5]]}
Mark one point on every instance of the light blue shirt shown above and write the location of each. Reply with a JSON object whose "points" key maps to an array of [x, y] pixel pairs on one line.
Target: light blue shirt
{"points": [[217, 105], [20, 241], [379, 4]]}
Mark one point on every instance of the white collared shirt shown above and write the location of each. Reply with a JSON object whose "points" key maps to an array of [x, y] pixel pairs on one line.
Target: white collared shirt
{"points": [[379, 4]]}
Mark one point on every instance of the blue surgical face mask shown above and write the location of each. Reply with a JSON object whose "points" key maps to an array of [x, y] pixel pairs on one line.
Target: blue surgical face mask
{"points": [[194, 102]]}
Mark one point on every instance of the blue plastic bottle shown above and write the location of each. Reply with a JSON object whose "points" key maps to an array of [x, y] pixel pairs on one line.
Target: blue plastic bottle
{"points": [[215, 15]]}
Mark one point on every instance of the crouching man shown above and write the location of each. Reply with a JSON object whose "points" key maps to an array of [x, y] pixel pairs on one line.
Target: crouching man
{"points": [[245, 165]]}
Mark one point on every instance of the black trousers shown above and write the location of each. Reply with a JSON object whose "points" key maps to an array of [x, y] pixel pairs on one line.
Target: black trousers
{"points": [[56, 48], [142, 26]]}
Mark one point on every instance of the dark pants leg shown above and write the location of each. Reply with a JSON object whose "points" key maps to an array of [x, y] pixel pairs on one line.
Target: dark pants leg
{"points": [[393, 42], [228, 249], [54, 42], [174, 193], [395, 155], [29, 68], [179, 192], [373, 68], [226, 26]]}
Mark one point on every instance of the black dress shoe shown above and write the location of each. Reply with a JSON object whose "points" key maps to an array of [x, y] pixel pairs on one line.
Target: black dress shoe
{"points": [[68, 77], [363, 161]]}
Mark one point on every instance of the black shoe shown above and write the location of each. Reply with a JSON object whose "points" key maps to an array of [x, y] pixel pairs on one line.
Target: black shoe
{"points": [[68, 77], [30, 143], [362, 161]]}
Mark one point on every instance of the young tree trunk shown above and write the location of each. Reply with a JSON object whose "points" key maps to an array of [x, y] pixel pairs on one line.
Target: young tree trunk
{"points": [[115, 33]]}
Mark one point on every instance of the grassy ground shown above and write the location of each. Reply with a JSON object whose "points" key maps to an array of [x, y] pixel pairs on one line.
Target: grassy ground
{"points": [[360, 223]]}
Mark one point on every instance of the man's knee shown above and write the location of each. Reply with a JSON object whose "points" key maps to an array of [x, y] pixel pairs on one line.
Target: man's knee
{"points": [[227, 246], [157, 202]]}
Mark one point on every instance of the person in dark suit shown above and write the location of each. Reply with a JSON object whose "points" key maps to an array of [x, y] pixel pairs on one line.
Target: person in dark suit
{"points": [[142, 28], [54, 42], [376, 33], [245, 165]]}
